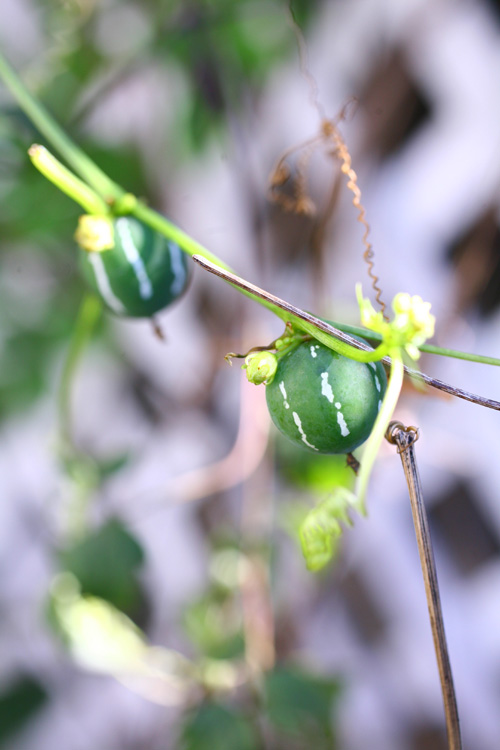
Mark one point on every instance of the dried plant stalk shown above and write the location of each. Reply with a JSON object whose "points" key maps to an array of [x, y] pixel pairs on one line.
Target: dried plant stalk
{"points": [[404, 438]]}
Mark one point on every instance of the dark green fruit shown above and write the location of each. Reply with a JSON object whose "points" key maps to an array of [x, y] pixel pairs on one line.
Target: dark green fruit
{"points": [[324, 401], [143, 273]]}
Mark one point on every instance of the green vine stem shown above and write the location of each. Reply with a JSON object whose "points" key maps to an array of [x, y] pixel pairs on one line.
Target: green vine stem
{"points": [[429, 348], [334, 335], [66, 181], [172, 232], [76, 158], [379, 428], [319, 329], [109, 190], [88, 316], [114, 194]]}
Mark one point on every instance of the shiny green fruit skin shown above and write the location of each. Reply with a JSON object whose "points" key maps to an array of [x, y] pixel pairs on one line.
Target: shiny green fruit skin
{"points": [[143, 273], [323, 401]]}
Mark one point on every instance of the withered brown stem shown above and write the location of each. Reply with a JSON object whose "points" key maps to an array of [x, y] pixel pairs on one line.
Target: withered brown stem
{"points": [[405, 438]]}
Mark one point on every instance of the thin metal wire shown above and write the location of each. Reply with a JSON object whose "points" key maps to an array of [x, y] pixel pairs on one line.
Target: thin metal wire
{"points": [[405, 438]]}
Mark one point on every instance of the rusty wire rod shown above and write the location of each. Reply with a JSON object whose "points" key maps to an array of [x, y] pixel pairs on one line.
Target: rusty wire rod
{"points": [[404, 438]]}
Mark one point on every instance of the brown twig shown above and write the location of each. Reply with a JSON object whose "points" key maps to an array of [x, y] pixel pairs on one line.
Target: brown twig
{"points": [[404, 438], [353, 463], [157, 329], [332, 331]]}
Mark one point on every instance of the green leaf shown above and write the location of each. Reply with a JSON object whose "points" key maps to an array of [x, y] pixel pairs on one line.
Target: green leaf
{"points": [[213, 624], [18, 704], [27, 352], [213, 727], [300, 704], [106, 563]]}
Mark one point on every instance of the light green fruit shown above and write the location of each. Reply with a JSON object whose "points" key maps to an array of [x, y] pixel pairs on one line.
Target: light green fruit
{"points": [[141, 274], [323, 401]]}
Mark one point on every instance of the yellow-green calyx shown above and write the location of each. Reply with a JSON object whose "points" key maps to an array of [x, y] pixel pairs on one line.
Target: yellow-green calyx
{"points": [[95, 233], [261, 367], [412, 325]]}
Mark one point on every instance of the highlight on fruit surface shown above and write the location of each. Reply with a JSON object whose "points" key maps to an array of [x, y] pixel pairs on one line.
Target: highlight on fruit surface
{"points": [[138, 273]]}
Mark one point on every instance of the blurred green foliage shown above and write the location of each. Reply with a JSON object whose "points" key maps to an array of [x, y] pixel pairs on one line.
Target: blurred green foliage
{"points": [[19, 703], [213, 624], [299, 705], [225, 51], [106, 563], [213, 726], [293, 712], [317, 474]]}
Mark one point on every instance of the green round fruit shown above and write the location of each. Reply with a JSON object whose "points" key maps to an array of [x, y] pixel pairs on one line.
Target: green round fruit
{"points": [[143, 273], [323, 401]]}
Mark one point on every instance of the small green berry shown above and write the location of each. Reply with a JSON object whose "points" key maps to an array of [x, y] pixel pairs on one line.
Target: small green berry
{"points": [[324, 401], [135, 270]]}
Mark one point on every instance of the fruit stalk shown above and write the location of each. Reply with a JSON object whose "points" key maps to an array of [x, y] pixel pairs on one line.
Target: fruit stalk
{"points": [[87, 319], [379, 429]]}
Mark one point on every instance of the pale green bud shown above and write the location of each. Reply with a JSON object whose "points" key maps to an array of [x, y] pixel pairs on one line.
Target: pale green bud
{"points": [[261, 367]]}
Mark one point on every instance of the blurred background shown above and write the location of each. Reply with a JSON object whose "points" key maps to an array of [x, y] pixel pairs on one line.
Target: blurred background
{"points": [[175, 506]]}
